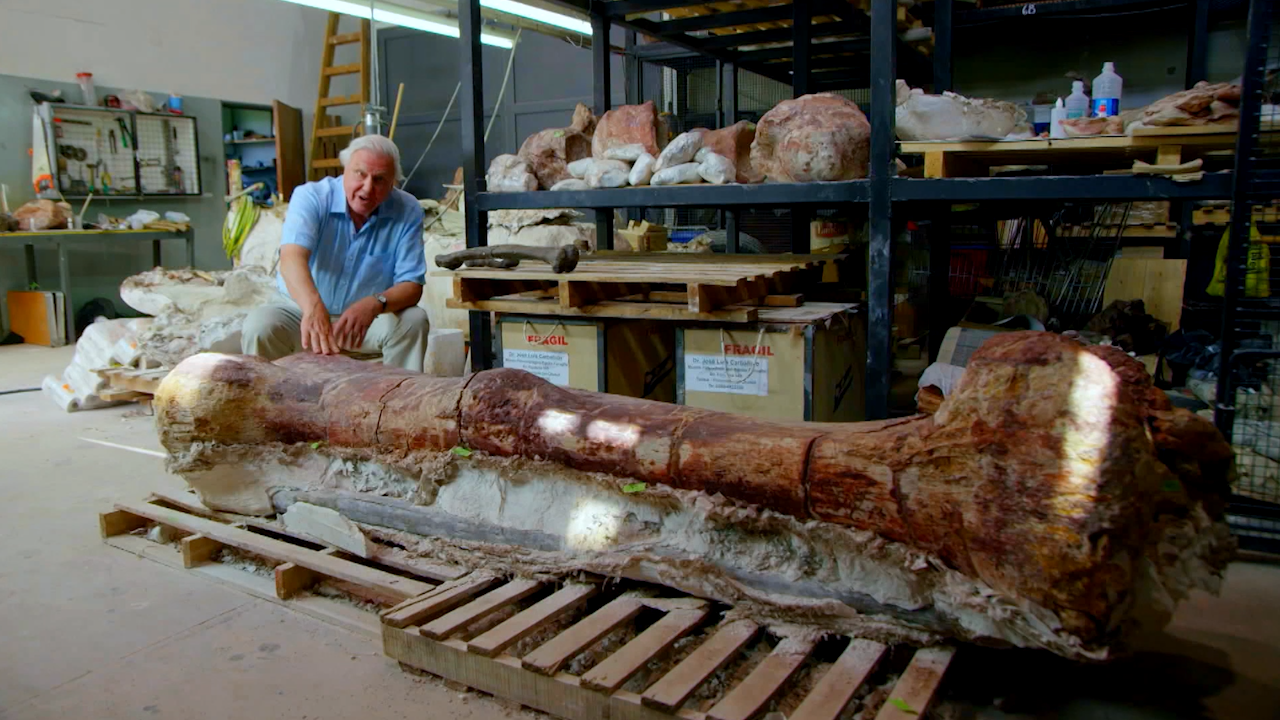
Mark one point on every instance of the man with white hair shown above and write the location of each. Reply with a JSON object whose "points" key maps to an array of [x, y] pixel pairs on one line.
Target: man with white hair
{"points": [[351, 266]]}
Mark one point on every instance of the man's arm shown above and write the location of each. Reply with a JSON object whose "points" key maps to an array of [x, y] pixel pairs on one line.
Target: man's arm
{"points": [[297, 239]]}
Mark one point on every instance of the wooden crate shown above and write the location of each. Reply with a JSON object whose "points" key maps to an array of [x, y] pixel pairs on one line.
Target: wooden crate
{"points": [[805, 363], [624, 357]]}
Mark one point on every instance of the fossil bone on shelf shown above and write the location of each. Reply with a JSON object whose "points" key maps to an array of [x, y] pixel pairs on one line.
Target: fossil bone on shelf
{"points": [[1055, 500]]}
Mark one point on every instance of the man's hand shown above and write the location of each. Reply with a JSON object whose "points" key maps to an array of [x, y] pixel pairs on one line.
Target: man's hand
{"points": [[354, 323], [317, 335]]}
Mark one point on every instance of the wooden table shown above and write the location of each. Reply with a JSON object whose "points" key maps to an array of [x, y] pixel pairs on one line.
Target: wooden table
{"points": [[61, 239]]}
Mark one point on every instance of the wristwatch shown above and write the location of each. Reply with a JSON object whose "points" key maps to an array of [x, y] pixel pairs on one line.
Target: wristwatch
{"points": [[382, 299]]}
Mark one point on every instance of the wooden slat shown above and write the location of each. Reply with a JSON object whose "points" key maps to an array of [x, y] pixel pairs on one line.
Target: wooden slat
{"points": [[327, 163], [676, 686], [338, 100], [392, 585], [197, 549], [764, 682], [525, 623], [344, 39], [836, 688], [348, 69], [608, 308], [292, 579], [918, 684], [548, 658], [616, 669], [119, 522], [441, 601], [339, 131], [453, 621]]}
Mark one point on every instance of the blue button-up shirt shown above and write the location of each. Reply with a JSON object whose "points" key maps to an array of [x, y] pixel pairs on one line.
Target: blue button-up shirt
{"points": [[349, 264]]}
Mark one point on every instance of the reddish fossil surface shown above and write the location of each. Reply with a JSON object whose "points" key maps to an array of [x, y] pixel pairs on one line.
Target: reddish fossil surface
{"points": [[1044, 475]]}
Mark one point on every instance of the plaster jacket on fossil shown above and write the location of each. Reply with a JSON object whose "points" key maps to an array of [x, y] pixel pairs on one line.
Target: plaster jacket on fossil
{"points": [[1055, 500]]}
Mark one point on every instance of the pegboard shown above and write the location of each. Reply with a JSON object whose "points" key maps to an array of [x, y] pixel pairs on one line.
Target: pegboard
{"points": [[103, 140], [142, 154], [168, 159]]}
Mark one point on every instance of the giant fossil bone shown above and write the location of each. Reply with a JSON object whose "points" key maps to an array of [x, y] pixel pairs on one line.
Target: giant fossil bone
{"points": [[1038, 506], [562, 259]]}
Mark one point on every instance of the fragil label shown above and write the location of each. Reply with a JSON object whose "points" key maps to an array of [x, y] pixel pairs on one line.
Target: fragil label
{"points": [[735, 374], [550, 366], [553, 340]]}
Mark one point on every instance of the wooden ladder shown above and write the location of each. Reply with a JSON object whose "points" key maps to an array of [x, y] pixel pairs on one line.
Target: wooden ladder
{"points": [[328, 138]]}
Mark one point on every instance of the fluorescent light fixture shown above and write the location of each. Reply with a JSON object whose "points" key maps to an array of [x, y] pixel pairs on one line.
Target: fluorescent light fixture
{"points": [[401, 19], [538, 14]]}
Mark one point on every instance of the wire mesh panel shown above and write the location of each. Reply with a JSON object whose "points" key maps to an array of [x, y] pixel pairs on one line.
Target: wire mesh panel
{"points": [[168, 161], [1249, 284], [94, 151]]}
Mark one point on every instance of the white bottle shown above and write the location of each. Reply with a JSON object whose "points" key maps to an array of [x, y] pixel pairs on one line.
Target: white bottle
{"points": [[1106, 92], [1056, 117], [1077, 102]]}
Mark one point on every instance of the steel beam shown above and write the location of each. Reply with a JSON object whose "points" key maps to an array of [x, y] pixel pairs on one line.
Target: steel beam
{"points": [[473, 165], [1198, 42], [824, 194], [603, 94], [880, 228], [1100, 188], [941, 46], [801, 35]]}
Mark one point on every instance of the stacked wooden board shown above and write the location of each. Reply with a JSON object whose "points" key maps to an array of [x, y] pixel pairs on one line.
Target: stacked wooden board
{"points": [[658, 286]]}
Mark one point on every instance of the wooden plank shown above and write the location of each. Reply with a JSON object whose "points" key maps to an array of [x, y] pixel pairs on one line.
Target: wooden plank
{"points": [[348, 69], [657, 639], [609, 309], [327, 163], [517, 628], [765, 681], [577, 294], [670, 692], [918, 684], [1158, 283], [836, 688], [338, 100], [291, 159], [1169, 155], [119, 522], [292, 579], [459, 618], [344, 39], [548, 658], [1174, 130], [197, 549], [338, 131], [441, 601], [792, 300], [560, 695], [392, 585]]}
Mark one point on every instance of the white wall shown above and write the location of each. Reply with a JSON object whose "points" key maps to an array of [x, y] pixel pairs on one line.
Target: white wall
{"points": [[244, 50]]}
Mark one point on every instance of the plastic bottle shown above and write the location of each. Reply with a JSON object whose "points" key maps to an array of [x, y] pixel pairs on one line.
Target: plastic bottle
{"points": [[1077, 103], [1106, 92], [88, 94], [1055, 120]]}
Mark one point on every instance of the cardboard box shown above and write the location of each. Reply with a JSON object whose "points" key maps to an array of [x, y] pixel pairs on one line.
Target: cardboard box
{"points": [[635, 358], [804, 363]]}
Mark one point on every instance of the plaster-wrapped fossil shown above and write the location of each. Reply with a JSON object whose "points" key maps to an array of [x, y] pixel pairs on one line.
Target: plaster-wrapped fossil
{"points": [[1055, 499]]}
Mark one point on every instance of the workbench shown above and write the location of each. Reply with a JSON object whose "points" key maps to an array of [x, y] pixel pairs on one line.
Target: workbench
{"points": [[61, 239]]}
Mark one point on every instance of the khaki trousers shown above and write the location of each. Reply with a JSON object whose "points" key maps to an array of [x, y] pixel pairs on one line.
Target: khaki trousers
{"points": [[274, 330]]}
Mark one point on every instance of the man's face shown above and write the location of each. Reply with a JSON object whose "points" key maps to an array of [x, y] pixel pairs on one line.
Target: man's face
{"points": [[367, 180]]}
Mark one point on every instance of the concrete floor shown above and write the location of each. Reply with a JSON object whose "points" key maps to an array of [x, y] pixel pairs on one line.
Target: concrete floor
{"points": [[89, 631]]}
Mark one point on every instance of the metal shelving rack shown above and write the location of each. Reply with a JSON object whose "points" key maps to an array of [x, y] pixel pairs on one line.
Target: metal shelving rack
{"points": [[1250, 367], [808, 65]]}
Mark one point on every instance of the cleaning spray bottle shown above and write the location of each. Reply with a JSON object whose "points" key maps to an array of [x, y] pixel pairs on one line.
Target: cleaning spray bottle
{"points": [[1055, 120], [1106, 92]]}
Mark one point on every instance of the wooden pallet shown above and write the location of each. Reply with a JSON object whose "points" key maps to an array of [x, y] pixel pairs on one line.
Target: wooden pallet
{"points": [[1164, 146], [518, 639], [429, 634], [720, 288], [300, 562]]}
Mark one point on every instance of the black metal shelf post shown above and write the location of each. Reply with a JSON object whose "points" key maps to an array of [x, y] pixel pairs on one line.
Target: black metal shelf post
{"points": [[880, 220], [473, 164]]}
